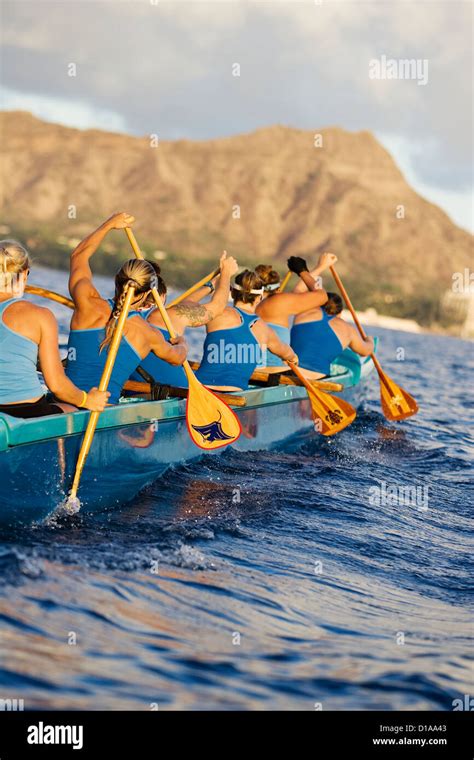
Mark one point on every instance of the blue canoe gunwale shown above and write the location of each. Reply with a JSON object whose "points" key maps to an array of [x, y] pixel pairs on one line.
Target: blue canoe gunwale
{"points": [[347, 370], [38, 456]]}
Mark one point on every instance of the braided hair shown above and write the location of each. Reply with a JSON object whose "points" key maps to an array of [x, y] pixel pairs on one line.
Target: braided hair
{"points": [[135, 273]]}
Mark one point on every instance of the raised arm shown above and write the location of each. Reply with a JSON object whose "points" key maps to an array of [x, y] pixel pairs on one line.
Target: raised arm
{"points": [[190, 314], [80, 271], [53, 371], [310, 280], [296, 303]]}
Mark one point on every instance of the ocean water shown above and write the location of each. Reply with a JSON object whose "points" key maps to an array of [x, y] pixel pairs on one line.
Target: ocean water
{"points": [[327, 585]]}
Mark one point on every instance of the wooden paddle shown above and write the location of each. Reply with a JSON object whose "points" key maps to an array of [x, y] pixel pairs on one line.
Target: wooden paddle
{"points": [[73, 504], [194, 287], [259, 376], [211, 423], [330, 414], [37, 291], [134, 386], [396, 403], [285, 282]]}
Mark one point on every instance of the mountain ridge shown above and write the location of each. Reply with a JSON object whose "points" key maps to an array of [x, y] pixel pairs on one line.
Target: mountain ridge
{"points": [[263, 195]]}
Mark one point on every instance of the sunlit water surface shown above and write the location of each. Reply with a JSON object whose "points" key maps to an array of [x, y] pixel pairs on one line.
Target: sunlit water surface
{"points": [[303, 592]]}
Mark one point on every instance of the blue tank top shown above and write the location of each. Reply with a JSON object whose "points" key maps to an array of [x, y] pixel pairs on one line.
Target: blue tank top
{"points": [[19, 379], [316, 344], [160, 370], [85, 361], [230, 355], [271, 360]]}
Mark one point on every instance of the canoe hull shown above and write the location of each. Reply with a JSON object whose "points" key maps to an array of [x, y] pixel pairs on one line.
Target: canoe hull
{"points": [[135, 444]]}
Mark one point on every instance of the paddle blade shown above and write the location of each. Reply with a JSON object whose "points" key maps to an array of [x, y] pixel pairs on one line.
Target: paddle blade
{"points": [[211, 423], [397, 404], [330, 414]]}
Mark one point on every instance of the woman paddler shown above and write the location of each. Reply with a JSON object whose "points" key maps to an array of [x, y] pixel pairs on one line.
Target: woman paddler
{"points": [[188, 313], [29, 332], [277, 309], [237, 340], [94, 318], [319, 335]]}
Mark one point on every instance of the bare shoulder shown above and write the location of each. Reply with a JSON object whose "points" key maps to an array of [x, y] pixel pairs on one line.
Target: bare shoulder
{"points": [[341, 325], [43, 312], [31, 310], [137, 327], [193, 313], [32, 321], [84, 290], [273, 304], [229, 318]]}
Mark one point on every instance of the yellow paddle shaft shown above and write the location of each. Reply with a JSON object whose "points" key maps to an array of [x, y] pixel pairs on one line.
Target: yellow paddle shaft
{"points": [[156, 295], [164, 314], [261, 376], [103, 385], [37, 291], [304, 380], [195, 287], [349, 305], [285, 282]]}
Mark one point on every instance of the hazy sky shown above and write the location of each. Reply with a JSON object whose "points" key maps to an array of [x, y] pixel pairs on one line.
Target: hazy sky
{"points": [[166, 67]]}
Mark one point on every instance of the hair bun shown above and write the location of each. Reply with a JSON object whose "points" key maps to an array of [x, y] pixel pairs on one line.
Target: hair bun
{"points": [[267, 274]]}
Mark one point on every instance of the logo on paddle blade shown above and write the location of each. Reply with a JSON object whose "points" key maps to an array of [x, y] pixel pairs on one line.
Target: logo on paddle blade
{"points": [[396, 401], [334, 417], [213, 431]]}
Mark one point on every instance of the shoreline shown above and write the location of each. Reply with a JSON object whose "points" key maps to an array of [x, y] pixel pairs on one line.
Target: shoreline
{"points": [[371, 318]]}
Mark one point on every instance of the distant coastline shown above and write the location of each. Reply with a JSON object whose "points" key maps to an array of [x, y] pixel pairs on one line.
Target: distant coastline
{"points": [[371, 318]]}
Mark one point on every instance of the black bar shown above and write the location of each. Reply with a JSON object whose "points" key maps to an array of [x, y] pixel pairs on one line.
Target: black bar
{"points": [[317, 734]]}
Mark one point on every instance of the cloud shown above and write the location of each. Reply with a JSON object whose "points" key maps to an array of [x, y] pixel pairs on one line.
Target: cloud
{"points": [[166, 68]]}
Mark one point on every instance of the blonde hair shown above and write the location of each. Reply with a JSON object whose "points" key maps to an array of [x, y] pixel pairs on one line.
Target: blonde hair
{"points": [[14, 260], [136, 273]]}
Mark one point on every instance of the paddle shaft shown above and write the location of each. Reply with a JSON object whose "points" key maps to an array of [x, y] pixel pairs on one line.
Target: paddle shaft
{"points": [[259, 376], [156, 295], [103, 385], [301, 377], [285, 282], [158, 301], [349, 305], [194, 287], [37, 291], [137, 387]]}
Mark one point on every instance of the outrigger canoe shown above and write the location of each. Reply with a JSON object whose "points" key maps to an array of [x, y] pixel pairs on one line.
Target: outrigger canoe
{"points": [[138, 440]]}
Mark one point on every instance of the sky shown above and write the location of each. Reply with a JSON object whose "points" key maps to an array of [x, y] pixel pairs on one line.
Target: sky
{"points": [[168, 67]]}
